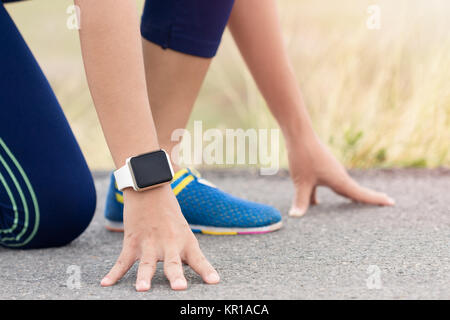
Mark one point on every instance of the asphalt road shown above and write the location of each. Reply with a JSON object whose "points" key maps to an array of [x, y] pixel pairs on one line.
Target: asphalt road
{"points": [[339, 250]]}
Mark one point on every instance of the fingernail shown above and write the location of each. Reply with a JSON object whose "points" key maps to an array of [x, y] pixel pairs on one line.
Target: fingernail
{"points": [[142, 285], [106, 282], [179, 284], [296, 212], [212, 278], [391, 201]]}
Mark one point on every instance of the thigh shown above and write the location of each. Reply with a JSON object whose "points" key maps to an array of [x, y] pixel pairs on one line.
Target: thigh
{"points": [[47, 196]]}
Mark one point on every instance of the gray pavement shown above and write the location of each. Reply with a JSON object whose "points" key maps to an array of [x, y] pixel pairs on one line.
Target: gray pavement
{"points": [[325, 255]]}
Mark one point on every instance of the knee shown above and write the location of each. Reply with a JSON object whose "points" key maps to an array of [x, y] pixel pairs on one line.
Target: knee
{"points": [[64, 209], [73, 211]]}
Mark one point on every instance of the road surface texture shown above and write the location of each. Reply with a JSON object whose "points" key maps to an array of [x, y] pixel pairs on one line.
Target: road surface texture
{"points": [[339, 250]]}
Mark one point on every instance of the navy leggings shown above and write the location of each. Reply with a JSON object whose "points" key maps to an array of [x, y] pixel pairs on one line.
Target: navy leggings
{"points": [[47, 195]]}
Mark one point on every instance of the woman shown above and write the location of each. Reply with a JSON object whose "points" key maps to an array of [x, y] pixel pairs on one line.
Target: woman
{"points": [[48, 197]]}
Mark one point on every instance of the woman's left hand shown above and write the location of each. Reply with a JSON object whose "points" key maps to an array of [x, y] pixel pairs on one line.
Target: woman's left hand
{"points": [[311, 165]]}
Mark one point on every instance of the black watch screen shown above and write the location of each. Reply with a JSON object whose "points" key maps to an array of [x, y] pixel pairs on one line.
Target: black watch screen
{"points": [[151, 169]]}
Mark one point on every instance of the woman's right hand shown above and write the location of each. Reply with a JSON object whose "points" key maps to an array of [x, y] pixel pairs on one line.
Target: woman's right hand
{"points": [[155, 230]]}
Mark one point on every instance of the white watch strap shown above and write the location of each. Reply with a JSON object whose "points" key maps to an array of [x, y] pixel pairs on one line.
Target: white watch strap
{"points": [[124, 178]]}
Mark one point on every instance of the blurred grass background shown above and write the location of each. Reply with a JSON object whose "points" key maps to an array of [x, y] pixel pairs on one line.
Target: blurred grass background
{"points": [[378, 98]]}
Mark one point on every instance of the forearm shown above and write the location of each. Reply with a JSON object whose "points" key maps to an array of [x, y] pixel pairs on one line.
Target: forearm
{"points": [[256, 29], [112, 54]]}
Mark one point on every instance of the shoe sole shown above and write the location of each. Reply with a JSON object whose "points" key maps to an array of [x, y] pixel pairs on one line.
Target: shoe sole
{"points": [[115, 226]]}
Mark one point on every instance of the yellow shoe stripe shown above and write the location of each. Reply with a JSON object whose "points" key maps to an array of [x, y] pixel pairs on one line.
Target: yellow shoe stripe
{"points": [[177, 175], [176, 190], [195, 172], [119, 197], [224, 233], [183, 184]]}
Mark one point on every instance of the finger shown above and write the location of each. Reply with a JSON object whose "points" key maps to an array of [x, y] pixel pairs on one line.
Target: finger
{"points": [[201, 265], [123, 264], [354, 191], [301, 200], [313, 199], [174, 272], [146, 271]]}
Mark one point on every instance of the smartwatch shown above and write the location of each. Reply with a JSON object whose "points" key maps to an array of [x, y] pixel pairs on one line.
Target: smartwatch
{"points": [[146, 171]]}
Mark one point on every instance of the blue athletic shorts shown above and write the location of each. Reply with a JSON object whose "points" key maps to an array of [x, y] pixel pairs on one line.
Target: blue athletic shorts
{"points": [[189, 26]]}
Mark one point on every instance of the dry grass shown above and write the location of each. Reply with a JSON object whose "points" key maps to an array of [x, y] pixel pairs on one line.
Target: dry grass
{"points": [[377, 97]]}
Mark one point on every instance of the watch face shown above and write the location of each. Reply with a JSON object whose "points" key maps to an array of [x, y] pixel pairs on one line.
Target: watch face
{"points": [[151, 169]]}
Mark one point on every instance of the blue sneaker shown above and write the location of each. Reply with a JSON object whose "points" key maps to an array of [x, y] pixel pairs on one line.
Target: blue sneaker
{"points": [[207, 209]]}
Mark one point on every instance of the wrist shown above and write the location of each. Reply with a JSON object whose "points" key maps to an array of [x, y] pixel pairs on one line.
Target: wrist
{"points": [[130, 192], [121, 159], [295, 121], [298, 131], [144, 172]]}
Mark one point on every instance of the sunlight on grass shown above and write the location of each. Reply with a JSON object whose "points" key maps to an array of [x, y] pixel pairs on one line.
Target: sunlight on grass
{"points": [[377, 97]]}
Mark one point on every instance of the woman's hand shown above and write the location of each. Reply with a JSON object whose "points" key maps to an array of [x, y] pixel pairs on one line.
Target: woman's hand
{"points": [[155, 230], [312, 164]]}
